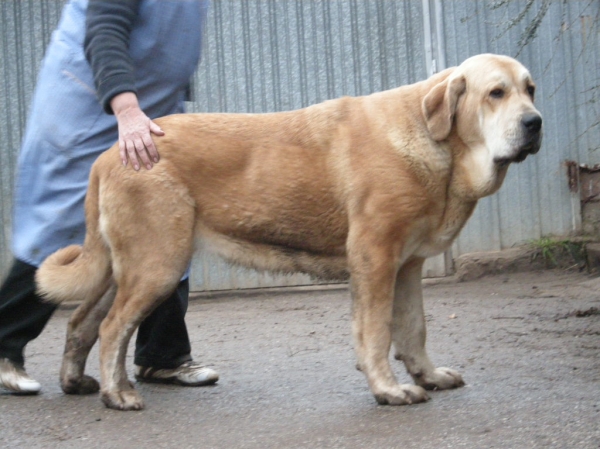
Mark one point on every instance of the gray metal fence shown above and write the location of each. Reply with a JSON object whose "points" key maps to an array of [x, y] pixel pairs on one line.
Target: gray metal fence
{"points": [[558, 42], [271, 55]]}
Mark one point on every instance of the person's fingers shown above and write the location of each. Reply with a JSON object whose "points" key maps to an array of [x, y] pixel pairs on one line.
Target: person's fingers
{"points": [[150, 147], [154, 129], [123, 152], [131, 154], [142, 151]]}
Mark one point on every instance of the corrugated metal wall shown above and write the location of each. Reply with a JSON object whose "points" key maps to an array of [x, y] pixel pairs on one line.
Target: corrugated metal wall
{"points": [[563, 56], [268, 55], [265, 55]]}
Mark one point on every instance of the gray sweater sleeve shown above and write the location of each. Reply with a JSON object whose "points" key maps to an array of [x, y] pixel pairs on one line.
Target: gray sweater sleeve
{"points": [[106, 45]]}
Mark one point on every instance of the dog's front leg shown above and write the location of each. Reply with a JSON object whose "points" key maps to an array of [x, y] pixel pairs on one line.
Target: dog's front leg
{"points": [[373, 274], [409, 332]]}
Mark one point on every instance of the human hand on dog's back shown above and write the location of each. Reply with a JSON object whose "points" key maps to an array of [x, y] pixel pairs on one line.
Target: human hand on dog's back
{"points": [[135, 129]]}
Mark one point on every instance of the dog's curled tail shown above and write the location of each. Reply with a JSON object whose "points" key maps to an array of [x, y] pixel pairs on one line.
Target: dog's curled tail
{"points": [[78, 273]]}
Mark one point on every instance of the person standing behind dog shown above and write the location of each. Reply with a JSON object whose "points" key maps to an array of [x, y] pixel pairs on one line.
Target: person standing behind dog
{"points": [[111, 66]]}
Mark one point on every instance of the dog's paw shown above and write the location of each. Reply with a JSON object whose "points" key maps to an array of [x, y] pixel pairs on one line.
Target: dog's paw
{"points": [[123, 400], [439, 379], [83, 385], [402, 395]]}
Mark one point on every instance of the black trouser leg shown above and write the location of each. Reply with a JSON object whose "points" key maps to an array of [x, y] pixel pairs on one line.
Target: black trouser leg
{"points": [[162, 339], [23, 314]]}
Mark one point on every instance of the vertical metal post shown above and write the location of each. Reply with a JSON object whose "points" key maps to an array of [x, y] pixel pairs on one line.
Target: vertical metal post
{"points": [[435, 57], [439, 36], [428, 38], [435, 61]]}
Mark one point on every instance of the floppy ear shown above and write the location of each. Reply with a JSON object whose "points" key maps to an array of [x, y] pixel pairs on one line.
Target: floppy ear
{"points": [[439, 106]]}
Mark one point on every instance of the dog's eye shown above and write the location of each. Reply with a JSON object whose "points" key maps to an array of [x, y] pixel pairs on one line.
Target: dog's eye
{"points": [[497, 93], [531, 91]]}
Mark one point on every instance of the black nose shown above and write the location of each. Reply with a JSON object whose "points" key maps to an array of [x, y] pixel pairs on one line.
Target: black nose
{"points": [[532, 122]]}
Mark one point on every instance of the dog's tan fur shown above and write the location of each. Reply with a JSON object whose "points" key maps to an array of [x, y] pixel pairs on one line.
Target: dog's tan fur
{"points": [[367, 187]]}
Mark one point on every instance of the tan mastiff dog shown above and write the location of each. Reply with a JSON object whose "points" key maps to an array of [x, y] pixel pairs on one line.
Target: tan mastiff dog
{"points": [[365, 187]]}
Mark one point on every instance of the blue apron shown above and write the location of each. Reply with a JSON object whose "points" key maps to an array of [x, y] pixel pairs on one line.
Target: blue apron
{"points": [[67, 128]]}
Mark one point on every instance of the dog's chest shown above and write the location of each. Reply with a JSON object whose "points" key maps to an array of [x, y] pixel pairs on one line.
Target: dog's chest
{"points": [[438, 238], [435, 244]]}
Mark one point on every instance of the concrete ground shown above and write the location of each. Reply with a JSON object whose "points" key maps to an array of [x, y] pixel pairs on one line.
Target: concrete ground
{"points": [[528, 346]]}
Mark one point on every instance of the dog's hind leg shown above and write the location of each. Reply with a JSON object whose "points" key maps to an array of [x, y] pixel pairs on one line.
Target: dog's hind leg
{"points": [[82, 333], [134, 301], [148, 221], [409, 332]]}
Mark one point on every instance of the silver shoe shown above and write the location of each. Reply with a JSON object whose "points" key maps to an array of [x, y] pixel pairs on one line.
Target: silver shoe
{"points": [[16, 380], [190, 374]]}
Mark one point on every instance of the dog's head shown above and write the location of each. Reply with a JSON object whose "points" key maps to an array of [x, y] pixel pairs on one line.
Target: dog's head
{"points": [[487, 103]]}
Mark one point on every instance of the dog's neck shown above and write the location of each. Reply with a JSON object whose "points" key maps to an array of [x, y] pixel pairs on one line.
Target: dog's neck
{"points": [[473, 176]]}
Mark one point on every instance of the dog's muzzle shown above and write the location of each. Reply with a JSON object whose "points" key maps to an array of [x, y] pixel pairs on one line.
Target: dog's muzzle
{"points": [[531, 124]]}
